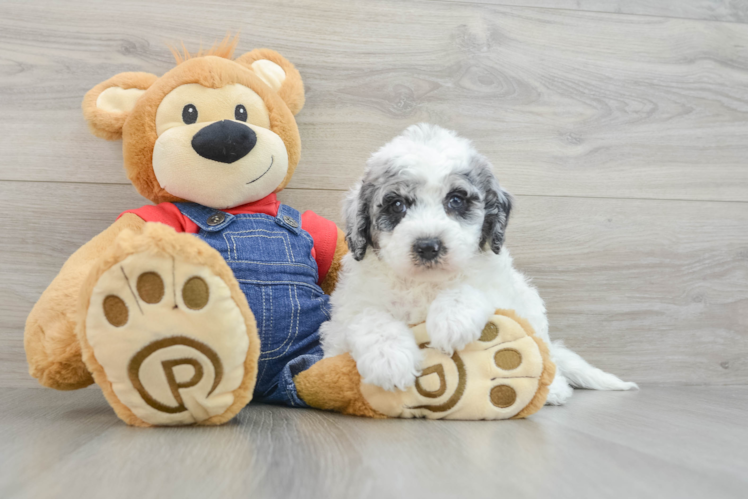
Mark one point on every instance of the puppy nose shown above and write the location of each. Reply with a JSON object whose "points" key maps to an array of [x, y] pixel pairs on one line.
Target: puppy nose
{"points": [[427, 249], [226, 141]]}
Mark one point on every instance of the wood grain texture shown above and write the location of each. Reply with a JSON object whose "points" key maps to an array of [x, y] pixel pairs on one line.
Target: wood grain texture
{"points": [[623, 137], [735, 11], [563, 102], [651, 443], [654, 291]]}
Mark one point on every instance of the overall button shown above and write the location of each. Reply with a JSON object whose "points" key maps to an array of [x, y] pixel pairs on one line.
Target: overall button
{"points": [[290, 221], [216, 218]]}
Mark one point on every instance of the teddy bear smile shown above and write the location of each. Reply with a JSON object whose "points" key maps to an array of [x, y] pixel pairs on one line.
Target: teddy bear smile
{"points": [[272, 159]]}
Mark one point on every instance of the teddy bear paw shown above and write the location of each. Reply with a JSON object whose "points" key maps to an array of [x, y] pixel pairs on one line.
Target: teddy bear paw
{"points": [[503, 374], [168, 342]]}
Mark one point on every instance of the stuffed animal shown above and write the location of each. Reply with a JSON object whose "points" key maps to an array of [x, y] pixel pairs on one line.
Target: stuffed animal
{"points": [[184, 311]]}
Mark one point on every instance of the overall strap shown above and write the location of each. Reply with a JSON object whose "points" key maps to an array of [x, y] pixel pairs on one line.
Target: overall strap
{"points": [[289, 218], [207, 219]]}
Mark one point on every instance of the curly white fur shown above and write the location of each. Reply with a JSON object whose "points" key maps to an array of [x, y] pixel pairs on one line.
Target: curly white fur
{"points": [[383, 288]]}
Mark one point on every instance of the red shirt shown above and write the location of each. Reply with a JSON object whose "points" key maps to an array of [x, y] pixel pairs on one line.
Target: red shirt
{"points": [[323, 232]]}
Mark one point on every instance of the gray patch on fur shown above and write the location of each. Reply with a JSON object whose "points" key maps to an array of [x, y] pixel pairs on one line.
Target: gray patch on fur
{"points": [[358, 221], [497, 204], [365, 208]]}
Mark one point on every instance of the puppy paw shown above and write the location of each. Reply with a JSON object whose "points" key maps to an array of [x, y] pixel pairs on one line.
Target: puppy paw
{"points": [[456, 318], [390, 367]]}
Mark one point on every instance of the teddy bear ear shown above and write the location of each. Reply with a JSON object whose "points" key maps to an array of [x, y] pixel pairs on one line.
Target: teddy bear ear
{"points": [[107, 105], [280, 75]]}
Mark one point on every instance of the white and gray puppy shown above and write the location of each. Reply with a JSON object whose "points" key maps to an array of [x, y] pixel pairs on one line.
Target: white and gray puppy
{"points": [[425, 228]]}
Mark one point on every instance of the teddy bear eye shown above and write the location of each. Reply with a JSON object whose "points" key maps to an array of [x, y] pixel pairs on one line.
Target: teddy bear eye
{"points": [[189, 114], [240, 113]]}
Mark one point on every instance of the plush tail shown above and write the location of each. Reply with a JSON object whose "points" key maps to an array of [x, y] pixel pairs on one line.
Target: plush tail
{"points": [[583, 375]]}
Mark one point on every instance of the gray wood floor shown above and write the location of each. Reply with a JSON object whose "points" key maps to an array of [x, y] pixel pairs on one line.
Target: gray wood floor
{"points": [[658, 442], [621, 128]]}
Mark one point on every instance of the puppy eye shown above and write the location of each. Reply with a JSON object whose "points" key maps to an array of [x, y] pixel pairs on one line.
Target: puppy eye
{"points": [[456, 202], [398, 206], [240, 113], [189, 114]]}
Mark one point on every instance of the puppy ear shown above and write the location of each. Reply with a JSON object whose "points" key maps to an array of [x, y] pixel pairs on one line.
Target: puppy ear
{"points": [[279, 74], [107, 105], [358, 219], [497, 205]]}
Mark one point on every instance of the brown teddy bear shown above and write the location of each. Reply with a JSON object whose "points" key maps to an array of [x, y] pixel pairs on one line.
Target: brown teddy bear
{"points": [[184, 311]]}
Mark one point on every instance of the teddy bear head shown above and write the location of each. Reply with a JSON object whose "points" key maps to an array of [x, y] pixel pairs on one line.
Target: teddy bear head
{"points": [[214, 130]]}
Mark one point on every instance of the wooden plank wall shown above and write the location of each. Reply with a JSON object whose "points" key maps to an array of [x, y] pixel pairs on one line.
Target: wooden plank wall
{"points": [[621, 127]]}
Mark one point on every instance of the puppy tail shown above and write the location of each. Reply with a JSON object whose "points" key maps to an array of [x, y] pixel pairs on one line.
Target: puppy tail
{"points": [[583, 375]]}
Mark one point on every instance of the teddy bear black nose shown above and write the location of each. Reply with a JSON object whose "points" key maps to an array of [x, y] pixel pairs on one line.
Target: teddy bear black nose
{"points": [[226, 141]]}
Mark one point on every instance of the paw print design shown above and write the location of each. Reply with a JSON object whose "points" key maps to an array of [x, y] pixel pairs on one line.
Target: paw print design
{"points": [[493, 378], [168, 338]]}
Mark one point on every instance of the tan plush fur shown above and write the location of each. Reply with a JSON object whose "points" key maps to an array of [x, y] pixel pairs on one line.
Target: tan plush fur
{"points": [[158, 239], [52, 348], [335, 384], [108, 125], [139, 132], [58, 356], [138, 127], [292, 90]]}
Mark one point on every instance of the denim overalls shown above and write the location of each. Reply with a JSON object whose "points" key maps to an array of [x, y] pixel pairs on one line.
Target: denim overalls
{"points": [[271, 258]]}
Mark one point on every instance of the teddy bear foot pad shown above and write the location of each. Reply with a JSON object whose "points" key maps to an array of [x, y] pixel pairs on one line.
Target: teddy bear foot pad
{"points": [[499, 376], [164, 335]]}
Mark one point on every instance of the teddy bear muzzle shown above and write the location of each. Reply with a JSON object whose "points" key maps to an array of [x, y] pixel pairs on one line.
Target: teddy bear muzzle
{"points": [[225, 141]]}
